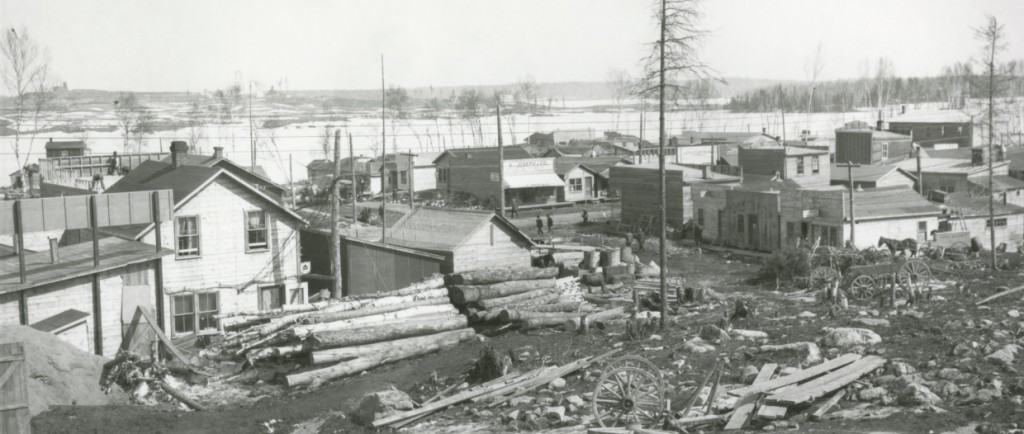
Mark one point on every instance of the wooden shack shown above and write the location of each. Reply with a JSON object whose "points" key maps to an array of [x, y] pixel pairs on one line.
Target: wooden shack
{"points": [[637, 185]]}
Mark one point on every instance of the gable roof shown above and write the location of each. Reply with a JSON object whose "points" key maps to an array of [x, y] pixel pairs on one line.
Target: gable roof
{"points": [[890, 202], [443, 229], [597, 164], [184, 181], [489, 154], [865, 173], [212, 161]]}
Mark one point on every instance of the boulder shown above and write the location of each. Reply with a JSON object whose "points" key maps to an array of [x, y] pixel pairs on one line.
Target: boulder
{"points": [[748, 374], [698, 345], [872, 394], [1004, 355], [750, 335], [946, 388], [806, 315], [871, 322], [899, 369], [558, 383], [847, 337], [382, 404], [918, 394], [710, 332], [808, 351]]}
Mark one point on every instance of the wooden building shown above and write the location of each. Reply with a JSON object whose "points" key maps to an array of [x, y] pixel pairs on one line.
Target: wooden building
{"points": [[868, 146], [236, 247], [255, 176], [466, 239], [66, 148], [397, 169], [584, 178], [966, 212], [868, 176], [637, 185], [716, 148], [951, 175], [807, 167], [936, 128], [746, 215]]}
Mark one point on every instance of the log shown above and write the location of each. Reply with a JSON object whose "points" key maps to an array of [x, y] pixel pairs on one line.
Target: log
{"points": [[512, 299], [266, 314], [370, 310], [335, 355], [180, 396], [421, 311], [507, 315], [399, 350], [463, 294], [488, 315], [433, 282], [999, 294], [289, 320], [368, 335], [484, 277], [543, 300], [282, 351], [583, 322], [568, 306]]}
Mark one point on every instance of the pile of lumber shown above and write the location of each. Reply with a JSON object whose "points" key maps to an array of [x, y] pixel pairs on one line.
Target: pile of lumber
{"points": [[495, 392], [342, 338], [770, 398], [525, 298]]}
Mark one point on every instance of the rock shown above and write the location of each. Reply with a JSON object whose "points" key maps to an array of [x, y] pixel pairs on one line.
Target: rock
{"points": [[872, 322], [554, 412], [946, 388], [709, 332], [953, 374], [809, 351], [1004, 355], [558, 383], [520, 400], [381, 404], [545, 400], [913, 314], [963, 350], [1013, 313], [806, 315], [576, 400], [984, 396], [513, 415], [872, 393], [846, 337], [918, 394], [899, 369], [749, 374], [698, 346]]}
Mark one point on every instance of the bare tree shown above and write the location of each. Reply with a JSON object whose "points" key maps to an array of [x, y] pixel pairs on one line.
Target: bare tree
{"points": [[196, 118], [25, 72], [133, 120], [526, 93], [956, 84], [994, 77], [620, 83], [327, 143], [885, 75], [396, 99], [468, 105], [813, 67], [228, 99]]}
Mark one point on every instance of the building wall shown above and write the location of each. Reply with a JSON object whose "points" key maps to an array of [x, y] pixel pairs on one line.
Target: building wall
{"points": [[468, 176], [1012, 234], [751, 220], [368, 268], [869, 232], [224, 265], [697, 154], [425, 178], [854, 147], [895, 179], [638, 188], [491, 246], [762, 161], [928, 134], [566, 195], [809, 178], [712, 200]]}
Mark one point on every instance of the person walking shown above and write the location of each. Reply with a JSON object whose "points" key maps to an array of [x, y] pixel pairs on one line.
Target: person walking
{"points": [[515, 208], [540, 226], [586, 217], [551, 222], [698, 235], [112, 164], [640, 239]]}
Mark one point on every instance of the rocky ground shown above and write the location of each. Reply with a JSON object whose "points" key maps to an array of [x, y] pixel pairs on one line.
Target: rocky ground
{"points": [[951, 367]]}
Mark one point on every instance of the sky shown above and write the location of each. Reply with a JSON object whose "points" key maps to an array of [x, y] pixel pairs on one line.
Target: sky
{"points": [[179, 45]]}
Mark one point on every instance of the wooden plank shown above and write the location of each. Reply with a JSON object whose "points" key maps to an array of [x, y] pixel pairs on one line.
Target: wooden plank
{"points": [[998, 295], [14, 411], [745, 406], [827, 405], [163, 338], [798, 376], [771, 412], [826, 384]]}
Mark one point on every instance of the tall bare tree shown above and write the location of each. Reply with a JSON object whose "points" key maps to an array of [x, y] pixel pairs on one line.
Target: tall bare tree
{"points": [[994, 77], [396, 99], [133, 120], [526, 92], [885, 76], [813, 67], [25, 73], [956, 84], [620, 83], [196, 119]]}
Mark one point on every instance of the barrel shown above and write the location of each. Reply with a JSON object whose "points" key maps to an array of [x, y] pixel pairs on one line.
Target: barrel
{"points": [[591, 259], [611, 257]]}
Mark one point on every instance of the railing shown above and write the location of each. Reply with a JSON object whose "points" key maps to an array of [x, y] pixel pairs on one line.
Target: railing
{"points": [[67, 171]]}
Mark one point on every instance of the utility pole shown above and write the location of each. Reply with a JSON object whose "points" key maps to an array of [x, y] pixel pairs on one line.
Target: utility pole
{"points": [[352, 172], [501, 166], [383, 147], [782, 108], [920, 178], [410, 178], [663, 256], [640, 144], [335, 246], [291, 178], [849, 179], [252, 138], [991, 155]]}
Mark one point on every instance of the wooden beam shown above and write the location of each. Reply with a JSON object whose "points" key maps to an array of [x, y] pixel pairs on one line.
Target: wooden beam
{"points": [[827, 384], [93, 224], [827, 405], [19, 234], [97, 315], [23, 307], [159, 271], [166, 341], [745, 406], [999, 294], [799, 376]]}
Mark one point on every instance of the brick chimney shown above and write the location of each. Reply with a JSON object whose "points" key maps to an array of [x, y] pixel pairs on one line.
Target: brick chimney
{"points": [[178, 151], [218, 152]]}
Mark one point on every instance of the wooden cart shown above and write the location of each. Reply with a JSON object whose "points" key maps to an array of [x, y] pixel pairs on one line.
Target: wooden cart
{"points": [[865, 281]]}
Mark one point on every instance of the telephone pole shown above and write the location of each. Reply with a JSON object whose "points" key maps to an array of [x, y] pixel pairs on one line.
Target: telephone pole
{"points": [[352, 172], [252, 138], [849, 179], [335, 245], [383, 148], [501, 166], [662, 242]]}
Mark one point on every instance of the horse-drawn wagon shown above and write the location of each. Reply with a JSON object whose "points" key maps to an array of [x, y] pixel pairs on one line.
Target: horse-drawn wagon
{"points": [[864, 281]]}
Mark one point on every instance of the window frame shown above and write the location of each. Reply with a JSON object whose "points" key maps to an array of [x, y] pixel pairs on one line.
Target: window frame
{"points": [[575, 185], [282, 296], [815, 165], [443, 174], [885, 151], [1000, 222], [195, 313], [198, 237], [249, 248], [211, 314], [800, 165], [175, 304]]}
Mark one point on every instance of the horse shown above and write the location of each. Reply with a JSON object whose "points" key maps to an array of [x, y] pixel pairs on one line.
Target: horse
{"points": [[895, 245]]}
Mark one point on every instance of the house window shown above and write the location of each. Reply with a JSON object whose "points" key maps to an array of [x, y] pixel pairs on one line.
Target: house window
{"points": [[195, 312], [135, 275], [188, 236], [442, 175], [404, 177], [700, 217], [739, 223], [999, 223], [271, 297], [815, 165], [885, 151], [575, 184], [184, 313], [255, 230], [800, 166]]}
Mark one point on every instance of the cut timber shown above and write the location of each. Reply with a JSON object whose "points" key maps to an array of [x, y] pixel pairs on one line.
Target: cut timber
{"points": [[283, 310], [485, 277], [283, 351], [335, 355], [827, 405], [694, 421], [826, 384], [582, 323], [766, 372], [181, 397], [507, 315], [543, 300], [421, 311], [369, 335], [562, 307], [798, 376], [462, 294], [434, 282], [400, 350], [512, 299], [488, 315], [370, 310], [998, 295], [771, 412], [745, 405]]}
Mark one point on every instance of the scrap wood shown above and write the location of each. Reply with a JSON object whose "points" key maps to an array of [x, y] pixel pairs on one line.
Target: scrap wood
{"points": [[771, 412], [685, 422], [180, 396], [558, 372], [503, 379], [827, 405], [828, 383], [1004, 291], [512, 386], [745, 406], [798, 376], [696, 393], [173, 349]]}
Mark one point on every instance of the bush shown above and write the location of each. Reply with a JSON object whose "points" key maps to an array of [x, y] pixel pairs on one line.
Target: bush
{"points": [[365, 215], [783, 265]]}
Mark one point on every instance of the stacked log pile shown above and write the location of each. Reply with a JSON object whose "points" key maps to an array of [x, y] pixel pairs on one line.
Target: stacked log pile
{"points": [[342, 338], [527, 299]]}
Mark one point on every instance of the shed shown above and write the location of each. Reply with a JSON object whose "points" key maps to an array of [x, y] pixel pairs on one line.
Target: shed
{"points": [[66, 148], [466, 239], [865, 146]]}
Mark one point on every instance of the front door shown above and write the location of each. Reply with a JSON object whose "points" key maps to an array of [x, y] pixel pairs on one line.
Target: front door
{"points": [[588, 187], [922, 232]]}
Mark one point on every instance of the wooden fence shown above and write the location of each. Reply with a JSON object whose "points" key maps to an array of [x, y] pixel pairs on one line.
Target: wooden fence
{"points": [[14, 411]]}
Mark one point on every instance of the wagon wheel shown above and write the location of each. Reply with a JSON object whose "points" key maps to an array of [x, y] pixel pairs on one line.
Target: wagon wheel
{"points": [[914, 275], [628, 395], [823, 276], [862, 287], [959, 246], [635, 362]]}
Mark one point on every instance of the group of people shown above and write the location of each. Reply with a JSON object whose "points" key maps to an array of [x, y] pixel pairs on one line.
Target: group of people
{"points": [[540, 224]]}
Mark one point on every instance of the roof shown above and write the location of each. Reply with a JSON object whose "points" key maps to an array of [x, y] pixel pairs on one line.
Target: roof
{"points": [[999, 182], [683, 138], [211, 161], [890, 202], [320, 164], [443, 229], [184, 181], [875, 134], [1016, 159], [958, 153], [67, 144], [946, 165], [596, 164], [76, 261], [485, 154], [864, 173], [60, 320], [754, 182], [935, 117], [690, 174], [533, 180], [967, 205], [799, 150]]}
